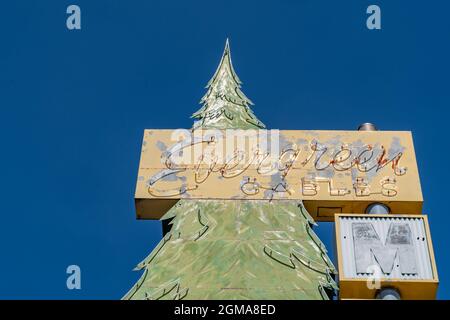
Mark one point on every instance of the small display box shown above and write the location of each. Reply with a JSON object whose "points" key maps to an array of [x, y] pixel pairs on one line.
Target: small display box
{"points": [[385, 251]]}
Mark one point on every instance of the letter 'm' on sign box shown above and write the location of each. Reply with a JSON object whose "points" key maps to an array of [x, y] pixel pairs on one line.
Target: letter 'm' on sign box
{"points": [[377, 251], [331, 171]]}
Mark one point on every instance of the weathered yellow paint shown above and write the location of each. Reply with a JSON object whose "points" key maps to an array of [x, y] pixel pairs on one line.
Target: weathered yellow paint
{"points": [[325, 169], [410, 289]]}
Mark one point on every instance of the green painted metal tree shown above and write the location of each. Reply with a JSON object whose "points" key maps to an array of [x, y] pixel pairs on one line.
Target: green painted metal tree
{"points": [[235, 249], [225, 106]]}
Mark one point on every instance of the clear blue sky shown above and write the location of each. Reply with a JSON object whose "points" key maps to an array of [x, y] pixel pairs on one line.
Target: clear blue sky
{"points": [[74, 105]]}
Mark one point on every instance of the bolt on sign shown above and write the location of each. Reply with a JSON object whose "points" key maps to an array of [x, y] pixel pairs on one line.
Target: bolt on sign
{"points": [[379, 251], [330, 171]]}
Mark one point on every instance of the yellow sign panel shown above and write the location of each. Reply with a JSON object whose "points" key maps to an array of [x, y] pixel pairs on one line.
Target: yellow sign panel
{"points": [[331, 171]]}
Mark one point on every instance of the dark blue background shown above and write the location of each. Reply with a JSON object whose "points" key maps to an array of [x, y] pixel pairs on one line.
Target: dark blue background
{"points": [[74, 105]]}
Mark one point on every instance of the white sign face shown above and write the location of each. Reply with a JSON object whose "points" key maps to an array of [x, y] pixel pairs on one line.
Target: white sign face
{"points": [[395, 246]]}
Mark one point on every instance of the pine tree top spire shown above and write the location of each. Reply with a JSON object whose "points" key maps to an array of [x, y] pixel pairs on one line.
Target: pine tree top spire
{"points": [[225, 63], [225, 106]]}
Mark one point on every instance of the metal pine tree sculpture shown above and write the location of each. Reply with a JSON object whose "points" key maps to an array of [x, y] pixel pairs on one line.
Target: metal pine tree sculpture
{"points": [[225, 106], [236, 248]]}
